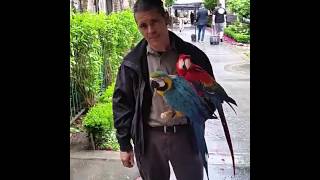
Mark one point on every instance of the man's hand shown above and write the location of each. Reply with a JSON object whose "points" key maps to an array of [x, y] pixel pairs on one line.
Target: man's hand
{"points": [[127, 159], [168, 115]]}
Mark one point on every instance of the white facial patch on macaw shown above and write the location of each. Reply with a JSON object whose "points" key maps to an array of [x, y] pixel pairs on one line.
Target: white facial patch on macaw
{"points": [[187, 63], [180, 63], [161, 83], [184, 62]]}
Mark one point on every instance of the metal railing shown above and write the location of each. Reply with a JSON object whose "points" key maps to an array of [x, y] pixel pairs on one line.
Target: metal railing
{"points": [[76, 103]]}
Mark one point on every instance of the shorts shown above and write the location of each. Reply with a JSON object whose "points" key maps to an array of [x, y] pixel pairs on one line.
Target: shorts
{"points": [[219, 27]]}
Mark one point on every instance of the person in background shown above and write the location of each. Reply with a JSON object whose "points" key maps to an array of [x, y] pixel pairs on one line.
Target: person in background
{"points": [[219, 14], [202, 21]]}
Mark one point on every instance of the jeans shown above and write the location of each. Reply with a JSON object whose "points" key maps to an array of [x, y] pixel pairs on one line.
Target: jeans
{"points": [[201, 28]]}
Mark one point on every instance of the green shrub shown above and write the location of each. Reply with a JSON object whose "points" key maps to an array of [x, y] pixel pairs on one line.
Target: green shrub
{"points": [[85, 61], [242, 38], [240, 7], [98, 43], [99, 122], [239, 32], [106, 97]]}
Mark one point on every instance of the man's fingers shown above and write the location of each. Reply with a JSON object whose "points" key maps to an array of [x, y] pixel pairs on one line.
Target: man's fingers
{"points": [[127, 159], [132, 159], [128, 163]]}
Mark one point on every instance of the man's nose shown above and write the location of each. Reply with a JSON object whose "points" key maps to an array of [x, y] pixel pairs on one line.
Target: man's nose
{"points": [[150, 29]]}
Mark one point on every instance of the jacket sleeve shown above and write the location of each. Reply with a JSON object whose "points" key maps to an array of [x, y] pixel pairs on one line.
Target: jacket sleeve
{"points": [[123, 102]]}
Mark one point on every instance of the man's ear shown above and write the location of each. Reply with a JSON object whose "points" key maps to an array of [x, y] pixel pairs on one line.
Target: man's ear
{"points": [[166, 17]]}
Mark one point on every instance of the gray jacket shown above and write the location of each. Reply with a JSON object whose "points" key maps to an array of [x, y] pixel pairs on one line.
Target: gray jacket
{"points": [[202, 16]]}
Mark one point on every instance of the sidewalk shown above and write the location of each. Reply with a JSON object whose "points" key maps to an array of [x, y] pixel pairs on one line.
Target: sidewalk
{"points": [[232, 71]]}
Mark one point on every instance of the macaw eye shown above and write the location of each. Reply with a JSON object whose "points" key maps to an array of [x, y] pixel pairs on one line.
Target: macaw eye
{"points": [[181, 63]]}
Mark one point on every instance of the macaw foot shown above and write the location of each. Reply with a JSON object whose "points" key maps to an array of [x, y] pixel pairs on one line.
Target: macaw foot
{"points": [[168, 115]]}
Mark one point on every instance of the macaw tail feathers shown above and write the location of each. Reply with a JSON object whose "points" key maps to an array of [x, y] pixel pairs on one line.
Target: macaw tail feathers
{"points": [[216, 101], [201, 144], [225, 98], [230, 100], [232, 107]]}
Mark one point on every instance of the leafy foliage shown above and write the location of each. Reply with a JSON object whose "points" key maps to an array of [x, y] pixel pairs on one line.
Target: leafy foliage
{"points": [[106, 97], [99, 122], [169, 3], [240, 7], [238, 31], [97, 43], [210, 4]]}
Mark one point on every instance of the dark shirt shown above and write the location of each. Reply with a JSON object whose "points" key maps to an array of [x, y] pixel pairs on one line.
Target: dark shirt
{"points": [[219, 15]]}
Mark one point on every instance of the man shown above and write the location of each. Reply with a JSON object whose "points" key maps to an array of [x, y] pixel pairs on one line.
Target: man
{"points": [[219, 19], [137, 107], [202, 21]]}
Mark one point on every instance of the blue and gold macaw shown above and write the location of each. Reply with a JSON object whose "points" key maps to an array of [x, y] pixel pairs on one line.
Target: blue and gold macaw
{"points": [[182, 97]]}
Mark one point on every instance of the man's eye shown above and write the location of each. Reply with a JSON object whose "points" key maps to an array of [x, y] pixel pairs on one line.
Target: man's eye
{"points": [[143, 26]]}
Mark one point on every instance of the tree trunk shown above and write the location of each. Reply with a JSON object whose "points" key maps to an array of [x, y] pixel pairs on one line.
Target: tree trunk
{"points": [[116, 5], [96, 3], [109, 5], [80, 6], [131, 3], [121, 5], [84, 5]]}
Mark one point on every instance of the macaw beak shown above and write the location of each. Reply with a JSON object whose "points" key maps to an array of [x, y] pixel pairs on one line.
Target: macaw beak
{"points": [[184, 67], [154, 84], [157, 83]]}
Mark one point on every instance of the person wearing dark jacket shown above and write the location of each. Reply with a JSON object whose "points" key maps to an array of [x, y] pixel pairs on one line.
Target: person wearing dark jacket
{"points": [[219, 14], [202, 21], [137, 108]]}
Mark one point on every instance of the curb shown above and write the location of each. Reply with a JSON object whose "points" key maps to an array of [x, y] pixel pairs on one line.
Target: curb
{"points": [[97, 154]]}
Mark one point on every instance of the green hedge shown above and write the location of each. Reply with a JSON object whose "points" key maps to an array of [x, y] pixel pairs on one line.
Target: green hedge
{"points": [[106, 97], [99, 122], [238, 31], [97, 43]]}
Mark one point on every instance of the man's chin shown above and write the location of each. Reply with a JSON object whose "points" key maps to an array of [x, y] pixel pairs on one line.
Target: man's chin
{"points": [[154, 43], [154, 40]]}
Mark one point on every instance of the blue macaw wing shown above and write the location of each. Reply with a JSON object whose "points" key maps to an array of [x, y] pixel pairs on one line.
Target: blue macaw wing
{"points": [[182, 97]]}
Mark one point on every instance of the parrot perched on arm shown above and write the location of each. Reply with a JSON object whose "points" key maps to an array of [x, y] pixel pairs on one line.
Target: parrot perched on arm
{"points": [[182, 97], [209, 89]]}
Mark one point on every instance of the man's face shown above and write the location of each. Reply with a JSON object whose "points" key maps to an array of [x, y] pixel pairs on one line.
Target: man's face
{"points": [[152, 25]]}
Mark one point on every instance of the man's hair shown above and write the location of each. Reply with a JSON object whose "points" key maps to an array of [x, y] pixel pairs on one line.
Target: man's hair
{"points": [[219, 4], [146, 5]]}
